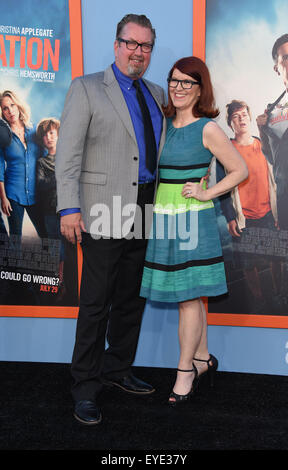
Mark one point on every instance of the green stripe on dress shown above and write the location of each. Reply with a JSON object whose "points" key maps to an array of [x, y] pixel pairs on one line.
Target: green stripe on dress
{"points": [[180, 204], [174, 281]]}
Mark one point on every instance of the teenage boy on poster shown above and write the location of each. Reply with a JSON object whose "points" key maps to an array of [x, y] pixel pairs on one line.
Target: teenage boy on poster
{"points": [[251, 206]]}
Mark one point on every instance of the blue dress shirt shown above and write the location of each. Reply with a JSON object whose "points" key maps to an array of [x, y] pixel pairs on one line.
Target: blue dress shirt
{"points": [[18, 168], [129, 93]]}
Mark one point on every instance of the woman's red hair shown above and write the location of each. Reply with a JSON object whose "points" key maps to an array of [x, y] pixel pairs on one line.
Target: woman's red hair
{"points": [[196, 69]]}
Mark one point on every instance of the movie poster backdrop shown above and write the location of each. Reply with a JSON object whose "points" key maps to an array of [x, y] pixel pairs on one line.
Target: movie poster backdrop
{"points": [[40, 52], [236, 42]]}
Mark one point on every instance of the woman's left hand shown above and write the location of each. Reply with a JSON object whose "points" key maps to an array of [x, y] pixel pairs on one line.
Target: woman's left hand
{"points": [[195, 190]]}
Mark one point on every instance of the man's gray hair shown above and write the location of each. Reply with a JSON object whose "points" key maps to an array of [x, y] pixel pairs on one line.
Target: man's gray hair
{"points": [[141, 20]]}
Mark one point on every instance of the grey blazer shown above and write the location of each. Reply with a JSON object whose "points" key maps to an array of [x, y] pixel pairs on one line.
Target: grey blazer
{"points": [[97, 160]]}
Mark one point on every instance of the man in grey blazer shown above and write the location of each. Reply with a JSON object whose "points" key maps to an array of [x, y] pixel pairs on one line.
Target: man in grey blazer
{"points": [[106, 171]]}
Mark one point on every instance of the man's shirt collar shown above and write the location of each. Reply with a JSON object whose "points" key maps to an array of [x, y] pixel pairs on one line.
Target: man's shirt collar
{"points": [[122, 79]]}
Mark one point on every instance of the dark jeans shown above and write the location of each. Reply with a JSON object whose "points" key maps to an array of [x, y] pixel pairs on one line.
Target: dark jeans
{"points": [[248, 260], [52, 225], [2, 225], [15, 220], [282, 199]]}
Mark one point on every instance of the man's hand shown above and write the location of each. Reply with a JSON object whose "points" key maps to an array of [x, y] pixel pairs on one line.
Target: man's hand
{"points": [[262, 120], [71, 226], [233, 228]]}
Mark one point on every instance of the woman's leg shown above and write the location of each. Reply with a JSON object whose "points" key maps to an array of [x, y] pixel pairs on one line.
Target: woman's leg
{"points": [[15, 222], [190, 332], [202, 350]]}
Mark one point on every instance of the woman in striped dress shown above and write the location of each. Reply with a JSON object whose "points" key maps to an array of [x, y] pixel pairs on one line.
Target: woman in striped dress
{"points": [[184, 256]]}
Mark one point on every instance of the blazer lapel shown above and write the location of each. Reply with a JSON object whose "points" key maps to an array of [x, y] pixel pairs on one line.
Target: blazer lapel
{"points": [[116, 97], [159, 104]]}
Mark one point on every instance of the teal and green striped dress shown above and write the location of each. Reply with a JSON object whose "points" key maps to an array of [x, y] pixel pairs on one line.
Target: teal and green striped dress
{"points": [[184, 255]]}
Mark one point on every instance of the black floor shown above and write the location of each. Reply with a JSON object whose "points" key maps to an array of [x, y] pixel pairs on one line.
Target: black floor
{"points": [[243, 412]]}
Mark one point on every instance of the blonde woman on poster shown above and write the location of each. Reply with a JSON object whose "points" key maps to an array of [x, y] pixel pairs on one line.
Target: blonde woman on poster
{"points": [[18, 166]]}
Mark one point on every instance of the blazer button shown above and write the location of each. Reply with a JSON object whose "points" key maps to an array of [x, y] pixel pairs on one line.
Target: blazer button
{"points": [[135, 158], [134, 184]]}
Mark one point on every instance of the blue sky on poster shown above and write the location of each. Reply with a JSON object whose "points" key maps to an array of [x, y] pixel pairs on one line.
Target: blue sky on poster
{"points": [[239, 40], [45, 99]]}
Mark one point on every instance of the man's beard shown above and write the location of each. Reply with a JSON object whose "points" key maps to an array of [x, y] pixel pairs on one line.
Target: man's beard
{"points": [[135, 71]]}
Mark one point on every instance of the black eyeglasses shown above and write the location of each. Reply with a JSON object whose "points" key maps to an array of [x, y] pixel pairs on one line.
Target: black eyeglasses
{"points": [[186, 84], [133, 45]]}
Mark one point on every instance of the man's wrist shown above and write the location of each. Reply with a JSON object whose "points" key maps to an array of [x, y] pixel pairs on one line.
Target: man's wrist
{"points": [[73, 210]]}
